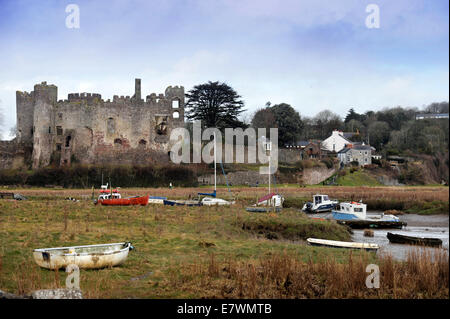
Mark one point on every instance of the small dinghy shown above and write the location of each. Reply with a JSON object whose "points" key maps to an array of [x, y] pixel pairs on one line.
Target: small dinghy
{"points": [[342, 244], [85, 257], [423, 241]]}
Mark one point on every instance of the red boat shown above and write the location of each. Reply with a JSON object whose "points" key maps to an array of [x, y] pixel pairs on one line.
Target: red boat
{"points": [[143, 200]]}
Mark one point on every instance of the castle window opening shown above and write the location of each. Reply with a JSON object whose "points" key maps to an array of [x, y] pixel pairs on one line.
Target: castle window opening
{"points": [[175, 104], [58, 147], [176, 115], [60, 116], [49, 130], [111, 126], [161, 125], [59, 130], [117, 141], [142, 142], [68, 138]]}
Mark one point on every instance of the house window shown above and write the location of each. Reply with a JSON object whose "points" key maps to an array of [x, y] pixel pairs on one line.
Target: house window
{"points": [[59, 130]]}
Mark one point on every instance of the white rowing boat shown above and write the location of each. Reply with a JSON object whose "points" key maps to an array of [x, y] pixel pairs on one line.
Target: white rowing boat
{"points": [[342, 244], [85, 257]]}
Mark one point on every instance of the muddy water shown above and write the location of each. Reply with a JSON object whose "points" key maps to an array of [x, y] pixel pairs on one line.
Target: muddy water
{"points": [[433, 226]]}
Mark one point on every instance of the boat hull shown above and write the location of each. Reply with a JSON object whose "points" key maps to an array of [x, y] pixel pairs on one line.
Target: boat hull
{"points": [[85, 257], [321, 209], [181, 203], [361, 224], [125, 201], [262, 209], [342, 244], [422, 241]]}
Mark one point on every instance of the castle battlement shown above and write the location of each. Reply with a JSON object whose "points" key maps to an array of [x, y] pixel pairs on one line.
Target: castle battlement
{"points": [[84, 96]]}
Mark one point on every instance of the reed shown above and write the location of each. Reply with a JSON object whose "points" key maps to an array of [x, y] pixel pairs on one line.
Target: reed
{"points": [[423, 275]]}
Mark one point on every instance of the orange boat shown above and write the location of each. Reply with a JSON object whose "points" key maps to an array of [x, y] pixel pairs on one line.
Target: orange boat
{"points": [[143, 200]]}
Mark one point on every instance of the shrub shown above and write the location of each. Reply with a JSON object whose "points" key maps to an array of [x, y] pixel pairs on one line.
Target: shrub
{"points": [[87, 176], [328, 162]]}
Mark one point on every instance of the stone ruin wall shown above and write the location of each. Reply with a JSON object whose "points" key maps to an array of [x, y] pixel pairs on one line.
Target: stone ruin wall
{"points": [[89, 130]]}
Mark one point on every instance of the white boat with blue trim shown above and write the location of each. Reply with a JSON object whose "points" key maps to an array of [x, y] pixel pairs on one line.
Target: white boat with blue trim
{"points": [[358, 211], [320, 204]]}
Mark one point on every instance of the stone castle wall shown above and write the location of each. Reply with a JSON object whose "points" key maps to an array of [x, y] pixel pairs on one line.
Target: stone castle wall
{"points": [[87, 129]]}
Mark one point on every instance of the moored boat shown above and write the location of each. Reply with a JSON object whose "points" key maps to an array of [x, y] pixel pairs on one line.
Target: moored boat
{"points": [[182, 202], [263, 209], [138, 200], [211, 201], [354, 214], [156, 199], [85, 257], [342, 244], [423, 241], [320, 204]]}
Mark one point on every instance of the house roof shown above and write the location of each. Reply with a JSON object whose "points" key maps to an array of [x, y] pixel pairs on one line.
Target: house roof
{"points": [[344, 150], [356, 147]]}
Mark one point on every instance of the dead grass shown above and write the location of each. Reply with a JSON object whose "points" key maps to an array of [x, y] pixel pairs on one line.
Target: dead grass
{"points": [[195, 252], [404, 194], [285, 276]]}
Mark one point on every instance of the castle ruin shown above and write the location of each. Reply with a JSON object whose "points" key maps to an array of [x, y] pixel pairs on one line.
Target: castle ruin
{"points": [[89, 130]]}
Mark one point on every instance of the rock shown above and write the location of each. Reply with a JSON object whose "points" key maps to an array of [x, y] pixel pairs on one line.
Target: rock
{"points": [[7, 295], [368, 233], [62, 293]]}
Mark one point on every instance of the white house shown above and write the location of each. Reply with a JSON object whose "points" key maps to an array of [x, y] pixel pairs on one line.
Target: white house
{"points": [[336, 142]]}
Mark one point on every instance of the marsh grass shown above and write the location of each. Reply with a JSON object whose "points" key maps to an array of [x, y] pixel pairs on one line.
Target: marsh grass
{"points": [[283, 275], [168, 242]]}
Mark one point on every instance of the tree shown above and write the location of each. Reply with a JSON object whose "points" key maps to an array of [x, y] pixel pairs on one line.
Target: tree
{"points": [[378, 134], [264, 118], [436, 107], [289, 123], [327, 121], [215, 104]]}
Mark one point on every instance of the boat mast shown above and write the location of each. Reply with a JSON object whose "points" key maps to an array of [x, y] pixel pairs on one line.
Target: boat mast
{"points": [[268, 148], [215, 174]]}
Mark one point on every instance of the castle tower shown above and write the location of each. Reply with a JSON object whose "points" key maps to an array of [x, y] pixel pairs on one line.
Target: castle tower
{"points": [[176, 97], [45, 97], [25, 115], [137, 89]]}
